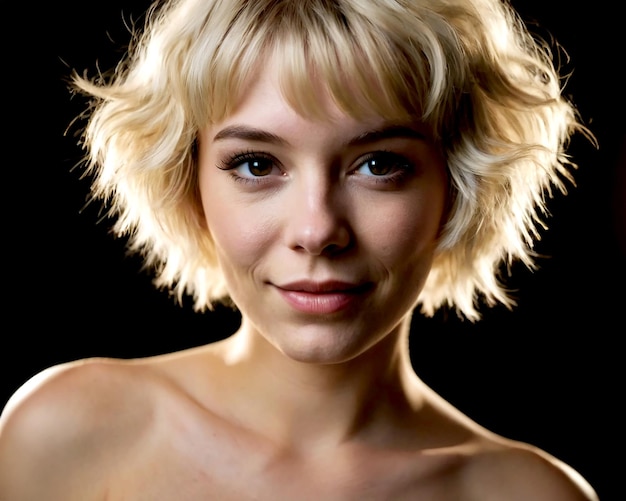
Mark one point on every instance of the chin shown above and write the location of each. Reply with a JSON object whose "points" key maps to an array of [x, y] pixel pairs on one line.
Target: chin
{"points": [[321, 345]]}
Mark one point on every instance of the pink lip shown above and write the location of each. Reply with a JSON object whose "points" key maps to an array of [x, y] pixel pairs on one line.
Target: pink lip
{"points": [[322, 297]]}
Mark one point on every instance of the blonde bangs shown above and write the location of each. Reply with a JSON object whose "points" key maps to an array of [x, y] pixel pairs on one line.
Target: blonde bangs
{"points": [[350, 56], [363, 76]]}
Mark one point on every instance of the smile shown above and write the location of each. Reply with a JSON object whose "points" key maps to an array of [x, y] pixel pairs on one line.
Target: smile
{"points": [[322, 297]]}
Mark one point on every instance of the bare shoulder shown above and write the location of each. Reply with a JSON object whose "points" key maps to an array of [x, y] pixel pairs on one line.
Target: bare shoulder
{"points": [[518, 471], [70, 423]]}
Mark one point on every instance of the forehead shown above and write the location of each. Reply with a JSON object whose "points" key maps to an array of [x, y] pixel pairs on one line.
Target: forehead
{"points": [[265, 113], [274, 87], [271, 89]]}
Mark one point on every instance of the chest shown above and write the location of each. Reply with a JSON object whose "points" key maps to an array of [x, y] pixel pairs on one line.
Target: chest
{"points": [[226, 467]]}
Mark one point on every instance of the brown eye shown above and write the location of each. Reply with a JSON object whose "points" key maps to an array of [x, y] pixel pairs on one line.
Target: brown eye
{"points": [[258, 167], [383, 164], [250, 165], [379, 167]]}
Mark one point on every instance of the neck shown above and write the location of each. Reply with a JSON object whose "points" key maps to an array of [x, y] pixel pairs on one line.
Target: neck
{"points": [[300, 405]]}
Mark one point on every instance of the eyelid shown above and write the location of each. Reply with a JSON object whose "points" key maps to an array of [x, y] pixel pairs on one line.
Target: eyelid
{"points": [[234, 160], [402, 169], [240, 169], [401, 162]]}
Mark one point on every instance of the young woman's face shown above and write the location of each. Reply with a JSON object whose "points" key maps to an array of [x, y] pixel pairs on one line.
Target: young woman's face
{"points": [[325, 230]]}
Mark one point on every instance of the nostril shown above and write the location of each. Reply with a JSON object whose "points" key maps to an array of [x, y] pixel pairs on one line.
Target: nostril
{"points": [[323, 241], [333, 249], [318, 221]]}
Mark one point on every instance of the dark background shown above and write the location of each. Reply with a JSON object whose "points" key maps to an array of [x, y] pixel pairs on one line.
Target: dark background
{"points": [[549, 373]]}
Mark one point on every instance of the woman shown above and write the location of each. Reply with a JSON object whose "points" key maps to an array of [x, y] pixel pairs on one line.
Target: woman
{"points": [[328, 167]]}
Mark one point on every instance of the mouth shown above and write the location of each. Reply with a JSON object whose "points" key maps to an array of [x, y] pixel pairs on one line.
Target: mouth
{"points": [[325, 287], [323, 297]]}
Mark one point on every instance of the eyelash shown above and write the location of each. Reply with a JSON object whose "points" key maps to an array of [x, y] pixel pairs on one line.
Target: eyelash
{"points": [[238, 159], [401, 166]]}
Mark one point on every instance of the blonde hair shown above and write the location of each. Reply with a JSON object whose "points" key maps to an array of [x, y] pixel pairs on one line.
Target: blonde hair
{"points": [[469, 69]]}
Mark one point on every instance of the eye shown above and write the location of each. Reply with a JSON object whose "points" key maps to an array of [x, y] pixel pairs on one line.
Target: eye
{"points": [[256, 167], [250, 166], [384, 165]]}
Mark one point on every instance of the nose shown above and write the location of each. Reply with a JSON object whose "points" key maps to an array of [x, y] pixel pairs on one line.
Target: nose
{"points": [[317, 219]]}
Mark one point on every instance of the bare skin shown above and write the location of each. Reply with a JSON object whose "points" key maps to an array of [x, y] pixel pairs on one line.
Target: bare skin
{"points": [[193, 426], [325, 232]]}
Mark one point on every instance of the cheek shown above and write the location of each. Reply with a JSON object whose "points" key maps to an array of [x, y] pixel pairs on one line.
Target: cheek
{"points": [[241, 232], [406, 229], [240, 235]]}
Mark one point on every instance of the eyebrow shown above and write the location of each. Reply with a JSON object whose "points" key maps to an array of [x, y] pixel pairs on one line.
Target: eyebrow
{"points": [[246, 133], [388, 132]]}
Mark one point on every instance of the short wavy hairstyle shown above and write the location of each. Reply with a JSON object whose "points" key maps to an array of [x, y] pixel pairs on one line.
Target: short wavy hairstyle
{"points": [[489, 91]]}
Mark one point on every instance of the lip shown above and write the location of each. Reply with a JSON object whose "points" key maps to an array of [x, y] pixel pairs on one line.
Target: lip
{"points": [[322, 297]]}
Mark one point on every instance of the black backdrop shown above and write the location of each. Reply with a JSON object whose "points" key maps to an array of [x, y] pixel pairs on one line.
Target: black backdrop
{"points": [[548, 372]]}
